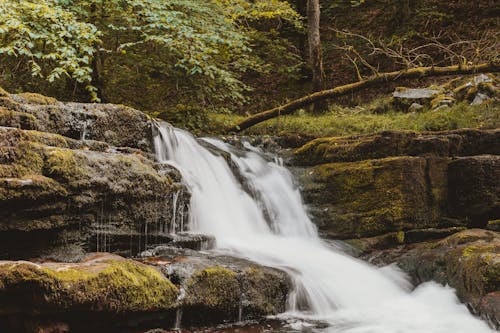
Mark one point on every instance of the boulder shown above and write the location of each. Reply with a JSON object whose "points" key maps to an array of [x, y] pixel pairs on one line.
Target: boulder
{"points": [[80, 295], [390, 182], [221, 288], [404, 97], [415, 107]]}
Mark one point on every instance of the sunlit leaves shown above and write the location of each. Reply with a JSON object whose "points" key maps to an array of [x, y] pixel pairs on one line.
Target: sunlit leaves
{"points": [[50, 39]]}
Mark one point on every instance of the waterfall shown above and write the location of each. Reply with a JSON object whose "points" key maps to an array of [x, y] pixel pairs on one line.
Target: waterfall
{"points": [[266, 221]]}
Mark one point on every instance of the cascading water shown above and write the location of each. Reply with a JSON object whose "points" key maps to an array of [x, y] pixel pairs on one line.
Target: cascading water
{"points": [[271, 227]]}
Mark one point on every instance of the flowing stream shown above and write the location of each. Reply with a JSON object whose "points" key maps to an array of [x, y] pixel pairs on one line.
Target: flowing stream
{"points": [[257, 213]]}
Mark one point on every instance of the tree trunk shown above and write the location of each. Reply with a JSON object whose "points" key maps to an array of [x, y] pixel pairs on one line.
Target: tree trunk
{"points": [[315, 54], [352, 87]]}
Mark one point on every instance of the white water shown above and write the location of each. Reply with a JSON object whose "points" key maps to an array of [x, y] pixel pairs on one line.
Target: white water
{"points": [[274, 230]]}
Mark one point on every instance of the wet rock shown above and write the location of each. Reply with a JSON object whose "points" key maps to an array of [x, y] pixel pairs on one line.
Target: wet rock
{"points": [[116, 125], [480, 99], [469, 261], [395, 239], [55, 190], [220, 288], [364, 186], [361, 199]]}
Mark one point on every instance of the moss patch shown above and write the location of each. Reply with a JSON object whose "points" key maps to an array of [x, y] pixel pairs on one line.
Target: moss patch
{"points": [[214, 287], [33, 98], [108, 285]]}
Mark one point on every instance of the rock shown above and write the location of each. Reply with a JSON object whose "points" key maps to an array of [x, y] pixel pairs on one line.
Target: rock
{"points": [[474, 188], [469, 261], [480, 99], [78, 293], [415, 107], [477, 91], [55, 191], [116, 125], [366, 186], [482, 78], [361, 199], [220, 288], [398, 143], [441, 102], [404, 97], [394, 239]]}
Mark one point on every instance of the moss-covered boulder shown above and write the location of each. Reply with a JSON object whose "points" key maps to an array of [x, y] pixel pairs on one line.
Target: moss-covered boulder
{"points": [[221, 288], [397, 181], [373, 197], [62, 197], [100, 285]]}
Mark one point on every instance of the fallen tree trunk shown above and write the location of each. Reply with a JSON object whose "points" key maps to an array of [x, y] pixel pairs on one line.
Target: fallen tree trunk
{"points": [[352, 87]]}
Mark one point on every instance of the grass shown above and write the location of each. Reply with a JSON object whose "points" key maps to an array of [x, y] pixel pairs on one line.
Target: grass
{"points": [[362, 120]]}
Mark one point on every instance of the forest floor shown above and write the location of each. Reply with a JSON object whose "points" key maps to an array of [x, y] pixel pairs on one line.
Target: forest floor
{"points": [[339, 121]]}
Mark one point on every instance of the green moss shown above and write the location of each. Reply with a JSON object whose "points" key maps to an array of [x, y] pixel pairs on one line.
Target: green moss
{"points": [[362, 120], [400, 237], [63, 163], [34, 98], [30, 156], [11, 118], [112, 285], [49, 139], [215, 287]]}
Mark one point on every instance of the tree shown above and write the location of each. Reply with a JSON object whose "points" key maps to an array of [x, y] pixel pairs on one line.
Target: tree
{"points": [[48, 40], [174, 50], [315, 52]]}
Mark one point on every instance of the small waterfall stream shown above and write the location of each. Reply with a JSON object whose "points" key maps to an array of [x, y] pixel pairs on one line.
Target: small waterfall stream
{"points": [[271, 227]]}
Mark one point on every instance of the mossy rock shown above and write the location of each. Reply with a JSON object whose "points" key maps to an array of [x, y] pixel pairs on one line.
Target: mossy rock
{"points": [[464, 142], [58, 184], [16, 119], [33, 98], [374, 197], [468, 260], [212, 296], [105, 284]]}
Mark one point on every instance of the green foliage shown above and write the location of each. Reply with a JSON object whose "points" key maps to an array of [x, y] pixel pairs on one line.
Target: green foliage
{"points": [[199, 49], [49, 39]]}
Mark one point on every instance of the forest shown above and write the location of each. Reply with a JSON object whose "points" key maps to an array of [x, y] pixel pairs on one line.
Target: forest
{"points": [[249, 166]]}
